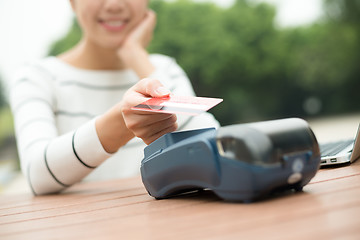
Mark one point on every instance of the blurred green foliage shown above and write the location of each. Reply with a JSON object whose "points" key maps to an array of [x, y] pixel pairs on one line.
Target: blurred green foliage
{"points": [[3, 124], [261, 71], [2, 94], [69, 40], [6, 124]]}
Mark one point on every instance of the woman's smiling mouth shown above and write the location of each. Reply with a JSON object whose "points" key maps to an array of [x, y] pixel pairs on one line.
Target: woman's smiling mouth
{"points": [[113, 25]]}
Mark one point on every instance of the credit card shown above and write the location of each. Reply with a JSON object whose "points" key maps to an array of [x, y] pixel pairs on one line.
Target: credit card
{"points": [[178, 104]]}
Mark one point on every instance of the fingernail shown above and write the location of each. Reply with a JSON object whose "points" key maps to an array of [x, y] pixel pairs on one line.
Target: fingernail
{"points": [[162, 91]]}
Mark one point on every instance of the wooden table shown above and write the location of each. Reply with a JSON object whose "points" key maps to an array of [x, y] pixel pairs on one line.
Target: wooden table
{"points": [[329, 208]]}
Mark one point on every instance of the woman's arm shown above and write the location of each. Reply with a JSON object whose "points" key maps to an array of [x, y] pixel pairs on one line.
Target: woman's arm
{"points": [[49, 161], [52, 162]]}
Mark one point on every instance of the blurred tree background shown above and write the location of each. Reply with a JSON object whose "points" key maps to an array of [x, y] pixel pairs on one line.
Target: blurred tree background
{"points": [[6, 121], [9, 162], [2, 95], [261, 71]]}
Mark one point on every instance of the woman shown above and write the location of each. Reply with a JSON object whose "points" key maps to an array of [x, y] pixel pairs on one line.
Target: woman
{"points": [[72, 113]]}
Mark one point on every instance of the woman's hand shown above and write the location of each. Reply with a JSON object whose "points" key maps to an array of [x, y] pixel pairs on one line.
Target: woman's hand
{"points": [[146, 125], [142, 33], [133, 50], [139, 37], [120, 124]]}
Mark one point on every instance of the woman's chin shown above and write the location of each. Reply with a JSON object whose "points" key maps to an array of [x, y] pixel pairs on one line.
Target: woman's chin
{"points": [[112, 44], [116, 46]]}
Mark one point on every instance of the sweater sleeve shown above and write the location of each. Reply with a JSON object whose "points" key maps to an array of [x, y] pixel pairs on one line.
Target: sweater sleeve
{"points": [[175, 79], [50, 162]]}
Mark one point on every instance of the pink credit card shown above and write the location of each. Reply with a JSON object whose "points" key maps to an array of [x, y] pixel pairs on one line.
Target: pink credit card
{"points": [[178, 104]]}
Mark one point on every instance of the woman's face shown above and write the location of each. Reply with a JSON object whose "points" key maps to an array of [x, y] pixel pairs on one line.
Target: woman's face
{"points": [[107, 22]]}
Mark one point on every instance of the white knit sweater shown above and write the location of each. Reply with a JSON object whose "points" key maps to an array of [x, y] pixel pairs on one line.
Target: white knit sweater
{"points": [[55, 106]]}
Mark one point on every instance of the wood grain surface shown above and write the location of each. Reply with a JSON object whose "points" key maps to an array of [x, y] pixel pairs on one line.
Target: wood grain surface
{"points": [[328, 208]]}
